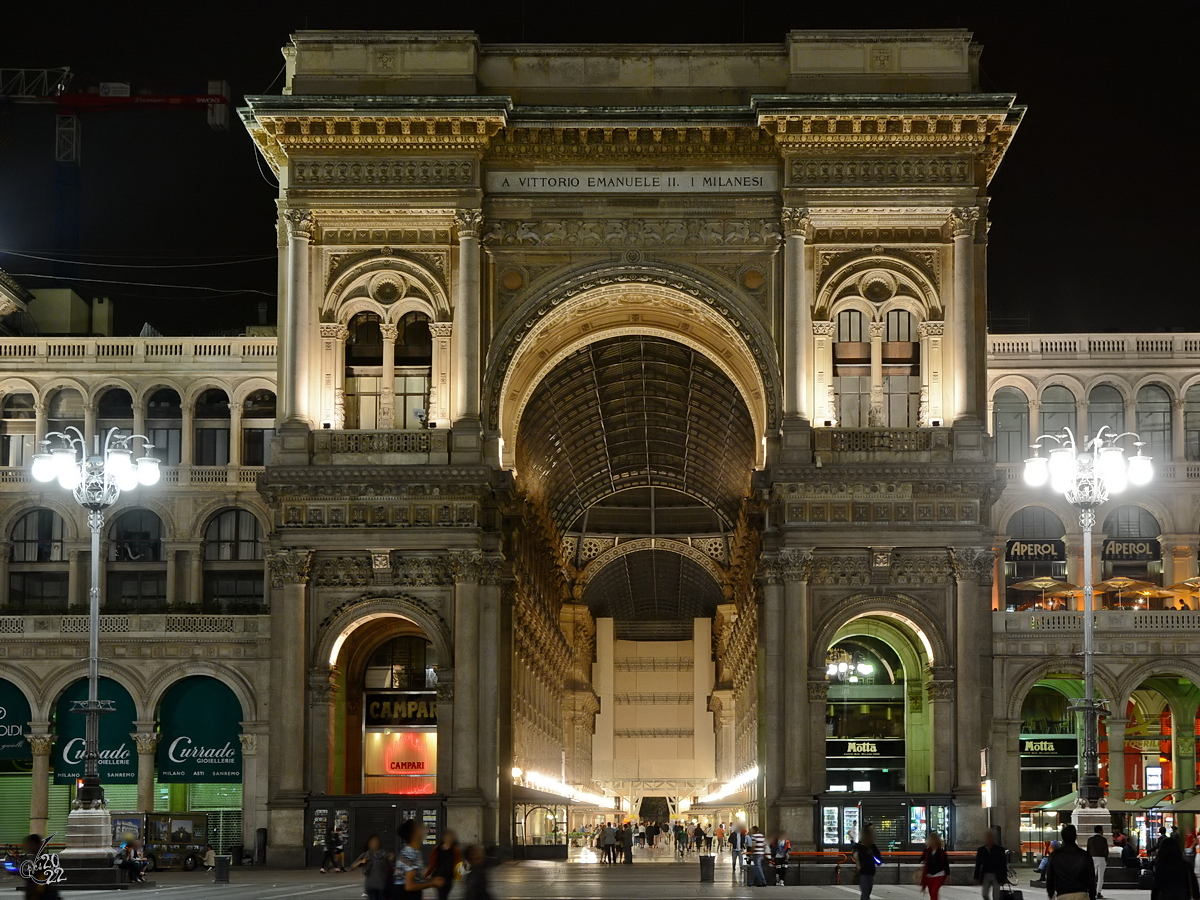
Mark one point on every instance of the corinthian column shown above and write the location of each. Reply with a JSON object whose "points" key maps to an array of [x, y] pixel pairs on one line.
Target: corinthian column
{"points": [[289, 638], [39, 800], [146, 741], [466, 801], [466, 344], [795, 800], [796, 315], [963, 223], [293, 361]]}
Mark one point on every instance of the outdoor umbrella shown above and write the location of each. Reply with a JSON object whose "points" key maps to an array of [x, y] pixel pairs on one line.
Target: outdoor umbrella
{"points": [[1123, 585], [1045, 585]]}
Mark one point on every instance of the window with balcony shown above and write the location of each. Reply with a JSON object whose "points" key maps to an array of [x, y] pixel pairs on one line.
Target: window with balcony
{"points": [[1058, 410], [258, 428], [1106, 409], [17, 423], [164, 425], [1154, 421], [852, 369], [211, 429], [1010, 425], [901, 370], [38, 575], [1034, 524], [1132, 524], [233, 568], [136, 571], [368, 373]]}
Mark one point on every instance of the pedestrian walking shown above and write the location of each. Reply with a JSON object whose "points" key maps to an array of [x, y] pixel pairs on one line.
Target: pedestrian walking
{"points": [[935, 865], [409, 865], [758, 853], [1097, 848], [377, 869], [1070, 874], [866, 861], [1174, 879], [476, 882], [444, 862], [991, 867], [721, 837], [333, 849], [737, 846]]}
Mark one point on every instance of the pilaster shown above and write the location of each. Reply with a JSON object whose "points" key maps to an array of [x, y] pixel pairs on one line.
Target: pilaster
{"points": [[466, 439], [146, 741], [40, 743]]}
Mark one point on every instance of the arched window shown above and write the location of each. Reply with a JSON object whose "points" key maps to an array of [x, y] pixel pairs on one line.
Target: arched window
{"points": [[1132, 525], [1106, 408], [364, 345], [1191, 423], [38, 577], [400, 722], [137, 573], [901, 370], [1154, 421], [414, 355], [164, 425], [233, 572], [212, 429], [414, 344], [852, 369], [258, 428], [115, 410], [1058, 410], [17, 438], [65, 410], [407, 663], [1010, 425], [1033, 524]]}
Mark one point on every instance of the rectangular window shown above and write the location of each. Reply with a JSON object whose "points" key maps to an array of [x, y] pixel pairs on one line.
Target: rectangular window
{"points": [[136, 591], [166, 443], [232, 592], [256, 446], [212, 447], [16, 450], [31, 591], [402, 762], [854, 400]]}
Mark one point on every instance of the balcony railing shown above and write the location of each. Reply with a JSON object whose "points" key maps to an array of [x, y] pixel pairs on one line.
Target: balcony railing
{"points": [[1118, 621], [59, 351], [411, 447], [882, 444], [177, 476], [43, 626], [1163, 471], [1093, 346]]}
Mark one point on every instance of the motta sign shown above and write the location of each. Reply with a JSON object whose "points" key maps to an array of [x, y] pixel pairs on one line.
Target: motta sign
{"points": [[1131, 551], [1036, 551], [1047, 747], [865, 747], [395, 709], [619, 180]]}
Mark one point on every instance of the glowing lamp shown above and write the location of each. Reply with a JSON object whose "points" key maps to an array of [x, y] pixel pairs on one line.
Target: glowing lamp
{"points": [[43, 467], [1036, 471], [148, 471], [1140, 469]]}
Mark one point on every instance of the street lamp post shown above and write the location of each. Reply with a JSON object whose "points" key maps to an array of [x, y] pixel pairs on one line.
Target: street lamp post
{"points": [[1086, 473], [96, 481]]}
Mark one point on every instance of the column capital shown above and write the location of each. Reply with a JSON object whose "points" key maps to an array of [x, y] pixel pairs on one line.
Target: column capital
{"points": [[388, 331], [785, 565], [822, 329], [146, 741], [289, 566], [441, 329], [5, 551], [249, 743], [972, 563], [41, 744], [300, 223], [963, 221], [476, 566], [875, 330], [818, 691], [335, 330], [321, 688], [796, 221], [931, 329], [940, 691], [468, 222]]}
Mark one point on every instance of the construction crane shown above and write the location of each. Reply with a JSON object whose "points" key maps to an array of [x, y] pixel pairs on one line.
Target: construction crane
{"points": [[45, 86]]}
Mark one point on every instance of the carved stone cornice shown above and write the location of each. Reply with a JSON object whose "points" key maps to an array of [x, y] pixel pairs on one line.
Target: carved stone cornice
{"points": [[366, 170], [289, 566], [973, 563], [468, 223], [335, 331], [963, 221], [300, 223], [634, 144], [626, 233], [796, 221], [939, 170]]}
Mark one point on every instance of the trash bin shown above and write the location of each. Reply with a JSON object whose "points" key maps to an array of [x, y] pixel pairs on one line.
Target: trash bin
{"points": [[708, 869], [221, 875], [237, 851]]}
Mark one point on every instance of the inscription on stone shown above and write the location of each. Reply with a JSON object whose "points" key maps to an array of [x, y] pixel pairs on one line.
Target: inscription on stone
{"points": [[620, 180]]}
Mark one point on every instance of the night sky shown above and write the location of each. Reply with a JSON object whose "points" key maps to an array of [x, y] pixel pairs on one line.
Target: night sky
{"points": [[1094, 225]]}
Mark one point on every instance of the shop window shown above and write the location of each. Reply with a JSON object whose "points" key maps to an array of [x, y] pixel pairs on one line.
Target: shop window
{"points": [[1058, 410], [400, 718], [1041, 528], [1106, 408], [38, 578], [1010, 425], [233, 574], [1154, 421], [852, 369], [164, 425], [1138, 554], [865, 717], [1191, 423]]}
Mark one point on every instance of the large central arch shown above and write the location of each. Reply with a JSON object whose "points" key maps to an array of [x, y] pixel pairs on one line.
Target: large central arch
{"points": [[632, 300]]}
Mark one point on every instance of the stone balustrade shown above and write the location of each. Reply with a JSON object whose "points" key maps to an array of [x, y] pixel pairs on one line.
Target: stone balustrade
{"points": [[1093, 346], [43, 627], [12, 478], [65, 353]]}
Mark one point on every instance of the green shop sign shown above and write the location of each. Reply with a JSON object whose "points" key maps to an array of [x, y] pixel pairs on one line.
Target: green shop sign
{"points": [[118, 757], [200, 725], [14, 722]]}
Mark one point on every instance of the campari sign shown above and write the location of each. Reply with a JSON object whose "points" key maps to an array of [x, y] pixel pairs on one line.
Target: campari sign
{"points": [[118, 755], [200, 733]]}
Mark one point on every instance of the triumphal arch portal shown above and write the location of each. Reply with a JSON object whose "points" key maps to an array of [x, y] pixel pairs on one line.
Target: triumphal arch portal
{"points": [[631, 443]]}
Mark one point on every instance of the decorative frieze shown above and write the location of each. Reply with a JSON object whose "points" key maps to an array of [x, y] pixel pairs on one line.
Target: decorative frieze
{"points": [[840, 570], [342, 571], [422, 571], [915, 569], [633, 232], [389, 237], [871, 171], [436, 172]]}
